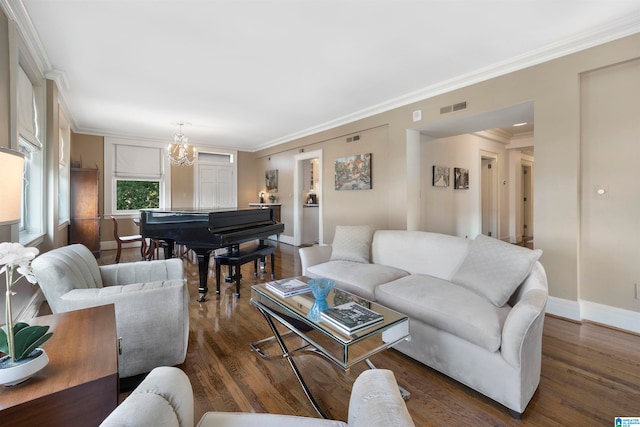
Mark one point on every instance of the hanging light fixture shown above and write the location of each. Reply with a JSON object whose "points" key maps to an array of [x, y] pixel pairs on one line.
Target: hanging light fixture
{"points": [[180, 153]]}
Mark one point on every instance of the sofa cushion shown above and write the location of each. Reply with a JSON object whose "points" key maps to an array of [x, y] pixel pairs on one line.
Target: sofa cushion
{"points": [[357, 278], [423, 252], [494, 269], [351, 243], [446, 306]]}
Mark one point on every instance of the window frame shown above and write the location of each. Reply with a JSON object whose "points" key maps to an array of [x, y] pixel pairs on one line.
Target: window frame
{"points": [[111, 176], [32, 227]]}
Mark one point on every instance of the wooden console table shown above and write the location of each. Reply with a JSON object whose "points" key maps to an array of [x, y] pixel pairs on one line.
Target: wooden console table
{"points": [[79, 386]]}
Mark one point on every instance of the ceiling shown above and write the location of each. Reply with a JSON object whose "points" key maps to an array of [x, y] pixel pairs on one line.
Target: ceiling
{"points": [[248, 74]]}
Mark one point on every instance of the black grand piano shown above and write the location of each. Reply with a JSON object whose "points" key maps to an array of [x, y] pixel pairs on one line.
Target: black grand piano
{"points": [[205, 231]]}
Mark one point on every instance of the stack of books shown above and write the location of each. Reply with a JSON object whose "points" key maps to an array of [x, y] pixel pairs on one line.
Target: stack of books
{"points": [[288, 287], [351, 317]]}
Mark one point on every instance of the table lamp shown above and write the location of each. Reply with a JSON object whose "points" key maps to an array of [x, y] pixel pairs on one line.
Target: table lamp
{"points": [[11, 171]]}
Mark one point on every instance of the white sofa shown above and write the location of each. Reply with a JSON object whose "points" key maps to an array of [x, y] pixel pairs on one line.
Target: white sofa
{"points": [[165, 399], [151, 302], [476, 307]]}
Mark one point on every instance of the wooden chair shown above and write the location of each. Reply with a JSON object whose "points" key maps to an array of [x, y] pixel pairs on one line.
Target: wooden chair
{"points": [[127, 239]]}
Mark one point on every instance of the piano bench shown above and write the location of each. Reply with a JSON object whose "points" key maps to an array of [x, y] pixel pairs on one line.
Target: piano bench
{"points": [[235, 260]]}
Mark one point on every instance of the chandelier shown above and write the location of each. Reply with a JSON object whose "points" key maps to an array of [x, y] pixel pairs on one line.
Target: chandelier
{"points": [[180, 154]]}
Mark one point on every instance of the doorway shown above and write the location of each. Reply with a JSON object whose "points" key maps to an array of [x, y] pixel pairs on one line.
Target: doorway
{"points": [[489, 194], [301, 190], [527, 202], [214, 181]]}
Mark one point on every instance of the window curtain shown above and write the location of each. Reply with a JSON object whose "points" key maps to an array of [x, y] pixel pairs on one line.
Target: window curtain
{"points": [[27, 114], [138, 162]]}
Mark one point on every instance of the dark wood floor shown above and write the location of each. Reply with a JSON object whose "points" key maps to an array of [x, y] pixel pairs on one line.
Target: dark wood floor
{"points": [[590, 373]]}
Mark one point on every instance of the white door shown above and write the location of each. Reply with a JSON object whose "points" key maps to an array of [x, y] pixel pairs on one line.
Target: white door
{"points": [[216, 189]]}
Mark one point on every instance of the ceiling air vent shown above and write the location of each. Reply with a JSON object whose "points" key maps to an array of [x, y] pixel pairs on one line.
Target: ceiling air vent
{"points": [[353, 138], [454, 107]]}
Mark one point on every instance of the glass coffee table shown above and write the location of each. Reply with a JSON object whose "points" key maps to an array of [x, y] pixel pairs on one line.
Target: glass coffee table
{"points": [[322, 338]]}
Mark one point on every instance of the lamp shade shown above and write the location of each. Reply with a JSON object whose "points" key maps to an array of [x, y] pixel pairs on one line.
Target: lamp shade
{"points": [[11, 170]]}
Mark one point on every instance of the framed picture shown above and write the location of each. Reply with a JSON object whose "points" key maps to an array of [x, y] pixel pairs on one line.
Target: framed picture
{"points": [[440, 176], [460, 179], [271, 180], [353, 172]]}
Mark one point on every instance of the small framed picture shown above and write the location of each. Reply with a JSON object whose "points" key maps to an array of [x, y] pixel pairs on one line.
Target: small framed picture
{"points": [[440, 176], [460, 179], [271, 180]]}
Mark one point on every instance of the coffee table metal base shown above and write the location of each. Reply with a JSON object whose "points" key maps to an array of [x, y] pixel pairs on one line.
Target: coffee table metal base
{"points": [[288, 356]]}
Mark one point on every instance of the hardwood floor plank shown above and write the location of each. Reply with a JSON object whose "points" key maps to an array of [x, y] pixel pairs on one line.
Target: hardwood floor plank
{"points": [[590, 373]]}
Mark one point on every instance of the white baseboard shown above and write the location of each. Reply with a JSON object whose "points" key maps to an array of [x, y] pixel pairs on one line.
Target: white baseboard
{"points": [[563, 308], [612, 316], [595, 312]]}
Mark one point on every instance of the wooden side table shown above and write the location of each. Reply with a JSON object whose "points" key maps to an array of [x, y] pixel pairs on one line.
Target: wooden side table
{"points": [[79, 386]]}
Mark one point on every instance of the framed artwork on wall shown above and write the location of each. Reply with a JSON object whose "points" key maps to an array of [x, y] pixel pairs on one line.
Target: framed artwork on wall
{"points": [[271, 180], [461, 179], [353, 172], [440, 176]]}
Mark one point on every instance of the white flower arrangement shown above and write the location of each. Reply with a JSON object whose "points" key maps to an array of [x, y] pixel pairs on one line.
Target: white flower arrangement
{"points": [[19, 340]]}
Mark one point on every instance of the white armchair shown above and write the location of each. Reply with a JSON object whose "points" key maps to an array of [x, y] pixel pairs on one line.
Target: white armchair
{"points": [[151, 302], [165, 399]]}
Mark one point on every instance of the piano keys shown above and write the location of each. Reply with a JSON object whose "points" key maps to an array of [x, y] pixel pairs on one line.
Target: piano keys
{"points": [[207, 230]]}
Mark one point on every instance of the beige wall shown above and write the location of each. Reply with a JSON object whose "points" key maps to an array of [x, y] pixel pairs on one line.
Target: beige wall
{"points": [[458, 212], [554, 87], [610, 153]]}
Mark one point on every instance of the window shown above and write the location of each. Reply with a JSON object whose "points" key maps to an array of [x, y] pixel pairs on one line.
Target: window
{"points": [[139, 176], [135, 195], [64, 136], [29, 105]]}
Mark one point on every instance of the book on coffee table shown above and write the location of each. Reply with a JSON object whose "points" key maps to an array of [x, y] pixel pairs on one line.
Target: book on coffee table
{"points": [[288, 287], [351, 317]]}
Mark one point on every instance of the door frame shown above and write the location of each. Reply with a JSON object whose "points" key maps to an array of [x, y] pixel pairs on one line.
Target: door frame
{"points": [[492, 187], [298, 185], [202, 160]]}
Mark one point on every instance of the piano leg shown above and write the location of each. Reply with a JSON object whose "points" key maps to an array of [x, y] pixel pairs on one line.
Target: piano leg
{"points": [[204, 255]]}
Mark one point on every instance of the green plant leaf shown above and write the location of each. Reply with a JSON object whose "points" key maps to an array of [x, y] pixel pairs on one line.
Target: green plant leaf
{"points": [[28, 338], [4, 342], [35, 345]]}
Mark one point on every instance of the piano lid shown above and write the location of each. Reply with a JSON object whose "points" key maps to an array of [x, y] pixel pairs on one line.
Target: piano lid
{"points": [[181, 215]]}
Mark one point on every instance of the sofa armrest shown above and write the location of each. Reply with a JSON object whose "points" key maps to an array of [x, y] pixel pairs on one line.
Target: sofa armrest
{"points": [[316, 254], [376, 401], [523, 324], [141, 272], [163, 398]]}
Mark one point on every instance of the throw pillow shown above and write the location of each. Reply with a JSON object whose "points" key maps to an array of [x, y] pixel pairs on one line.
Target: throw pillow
{"points": [[351, 243], [494, 269]]}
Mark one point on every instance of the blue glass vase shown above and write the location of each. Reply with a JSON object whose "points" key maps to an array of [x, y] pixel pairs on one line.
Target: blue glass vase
{"points": [[320, 289]]}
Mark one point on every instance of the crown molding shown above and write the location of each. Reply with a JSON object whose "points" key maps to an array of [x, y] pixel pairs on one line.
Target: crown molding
{"points": [[596, 36], [17, 12]]}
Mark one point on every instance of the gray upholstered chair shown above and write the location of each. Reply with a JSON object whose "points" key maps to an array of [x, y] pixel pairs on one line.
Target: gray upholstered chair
{"points": [[151, 301], [165, 399]]}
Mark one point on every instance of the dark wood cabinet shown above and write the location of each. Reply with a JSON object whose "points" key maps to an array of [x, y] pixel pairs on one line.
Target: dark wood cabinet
{"points": [[85, 220]]}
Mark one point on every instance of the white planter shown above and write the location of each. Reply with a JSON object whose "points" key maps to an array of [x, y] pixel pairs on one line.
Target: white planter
{"points": [[23, 369]]}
